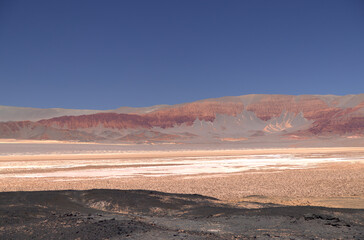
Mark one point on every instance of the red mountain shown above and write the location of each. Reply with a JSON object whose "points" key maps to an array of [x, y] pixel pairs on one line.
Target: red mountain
{"points": [[242, 117]]}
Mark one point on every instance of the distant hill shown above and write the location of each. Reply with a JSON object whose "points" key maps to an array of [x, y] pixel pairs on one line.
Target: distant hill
{"points": [[228, 119]]}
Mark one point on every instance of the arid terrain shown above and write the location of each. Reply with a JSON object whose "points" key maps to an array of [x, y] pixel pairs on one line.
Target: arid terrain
{"points": [[249, 120], [245, 167], [120, 214], [181, 120], [179, 193]]}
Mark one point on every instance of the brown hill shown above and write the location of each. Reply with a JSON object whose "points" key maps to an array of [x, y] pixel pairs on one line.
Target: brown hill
{"points": [[304, 115]]}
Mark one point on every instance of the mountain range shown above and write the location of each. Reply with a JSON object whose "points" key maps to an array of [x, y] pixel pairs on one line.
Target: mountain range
{"points": [[240, 119]]}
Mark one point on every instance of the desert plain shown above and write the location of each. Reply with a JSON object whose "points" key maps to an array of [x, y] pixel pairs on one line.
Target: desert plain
{"points": [[174, 192]]}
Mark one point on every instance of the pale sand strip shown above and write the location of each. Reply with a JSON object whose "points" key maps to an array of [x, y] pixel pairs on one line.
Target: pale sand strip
{"points": [[185, 153]]}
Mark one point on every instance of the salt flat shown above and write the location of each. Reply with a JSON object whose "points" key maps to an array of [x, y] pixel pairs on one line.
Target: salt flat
{"points": [[290, 176], [303, 193], [162, 166]]}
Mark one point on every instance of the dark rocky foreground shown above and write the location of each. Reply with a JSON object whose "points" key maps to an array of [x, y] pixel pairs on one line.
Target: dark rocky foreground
{"points": [[137, 214]]}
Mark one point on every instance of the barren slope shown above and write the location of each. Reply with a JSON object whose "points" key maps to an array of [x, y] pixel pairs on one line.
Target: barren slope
{"points": [[241, 118]]}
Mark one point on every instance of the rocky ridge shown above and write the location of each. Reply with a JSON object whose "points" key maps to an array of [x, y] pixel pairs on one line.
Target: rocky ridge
{"points": [[235, 118]]}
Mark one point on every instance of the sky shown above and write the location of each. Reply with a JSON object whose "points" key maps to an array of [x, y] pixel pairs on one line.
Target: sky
{"points": [[106, 54]]}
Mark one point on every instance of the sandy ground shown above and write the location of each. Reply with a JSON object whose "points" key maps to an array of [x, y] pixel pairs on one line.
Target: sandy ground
{"points": [[317, 181], [302, 193]]}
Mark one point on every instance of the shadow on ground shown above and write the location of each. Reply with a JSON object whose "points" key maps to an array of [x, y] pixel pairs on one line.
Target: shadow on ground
{"points": [[140, 214]]}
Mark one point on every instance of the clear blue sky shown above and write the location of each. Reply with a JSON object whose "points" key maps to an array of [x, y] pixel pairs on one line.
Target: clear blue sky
{"points": [[107, 54]]}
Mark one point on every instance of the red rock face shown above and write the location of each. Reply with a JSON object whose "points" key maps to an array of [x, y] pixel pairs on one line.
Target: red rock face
{"points": [[187, 114], [8, 128], [34, 130], [341, 126], [340, 121], [326, 116], [107, 120], [272, 106]]}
